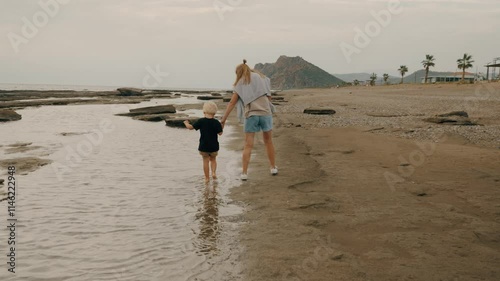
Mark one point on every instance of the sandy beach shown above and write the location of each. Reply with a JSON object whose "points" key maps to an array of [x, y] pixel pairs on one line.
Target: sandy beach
{"points": [[373, 192], [376, 191]]}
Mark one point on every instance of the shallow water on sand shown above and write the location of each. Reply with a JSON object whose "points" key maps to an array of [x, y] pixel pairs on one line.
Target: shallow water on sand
{"points": [[125, 202]]}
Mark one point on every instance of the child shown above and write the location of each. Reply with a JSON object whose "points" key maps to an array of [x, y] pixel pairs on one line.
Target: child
{"points": [[209, 145]]}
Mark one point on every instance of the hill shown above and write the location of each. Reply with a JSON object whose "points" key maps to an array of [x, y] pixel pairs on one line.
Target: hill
{"points": [[296, 73], [349, 77]]}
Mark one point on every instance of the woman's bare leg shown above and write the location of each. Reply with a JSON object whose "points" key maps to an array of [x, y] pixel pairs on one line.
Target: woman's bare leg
{"points": [[247, 151], [268, 141]]}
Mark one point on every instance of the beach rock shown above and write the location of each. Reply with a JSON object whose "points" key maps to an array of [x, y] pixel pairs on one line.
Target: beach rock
{"points": [[152, 117], [179, 122], [277, 98], [7, 115], [453, 120], [455, 113], [226, 99], [319, 111], [1, 181], [216, 94], [130, 92], [210, 98], [157, 92], [337, 257], [25, 165], [159, 109]]}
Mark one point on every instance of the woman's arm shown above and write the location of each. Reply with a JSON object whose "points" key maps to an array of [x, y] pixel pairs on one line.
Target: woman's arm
{"points": [[230, 107]]}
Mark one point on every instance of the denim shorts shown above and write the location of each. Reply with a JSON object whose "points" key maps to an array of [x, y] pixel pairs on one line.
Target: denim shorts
{"points": [[256, 123]]}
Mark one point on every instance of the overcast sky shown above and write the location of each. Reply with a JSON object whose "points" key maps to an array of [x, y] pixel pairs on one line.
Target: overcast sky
{"points": [[199, 42]]}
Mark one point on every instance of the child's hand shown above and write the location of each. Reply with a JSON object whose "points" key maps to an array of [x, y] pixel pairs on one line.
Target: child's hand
{"points": [[186, 121]]}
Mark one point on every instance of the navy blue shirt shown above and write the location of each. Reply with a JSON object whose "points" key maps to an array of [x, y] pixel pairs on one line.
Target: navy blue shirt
{"points": [[209, 131]]}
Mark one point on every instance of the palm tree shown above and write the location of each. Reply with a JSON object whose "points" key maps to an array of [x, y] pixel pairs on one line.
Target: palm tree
{"points": [[402, 69], [373, 77], [428, 62], [355, 82], [386, 77], [464, 63]]}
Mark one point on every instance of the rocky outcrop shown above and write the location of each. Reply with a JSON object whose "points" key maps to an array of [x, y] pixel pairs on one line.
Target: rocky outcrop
{"points": [[455, 113], [151, 113], [130, 92], [179, 122], [150, 110], [210, 97], [7, 115], [319, 111], [460, 118], [153, 117], [25, 165], [296, 73]]}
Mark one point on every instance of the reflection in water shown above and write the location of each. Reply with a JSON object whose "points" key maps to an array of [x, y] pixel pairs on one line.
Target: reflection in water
{"points": [[208, 215]]}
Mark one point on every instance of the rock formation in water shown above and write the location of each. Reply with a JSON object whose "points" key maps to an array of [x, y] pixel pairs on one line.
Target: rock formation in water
{"points": [[9, 115]]}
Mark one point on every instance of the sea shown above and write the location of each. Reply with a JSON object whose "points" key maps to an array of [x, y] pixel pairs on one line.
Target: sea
{"points": [[55, 87], [122, 199]]}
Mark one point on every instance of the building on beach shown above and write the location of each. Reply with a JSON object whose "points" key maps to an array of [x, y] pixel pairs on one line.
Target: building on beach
{"points": [[454, 77], [494, 64]]}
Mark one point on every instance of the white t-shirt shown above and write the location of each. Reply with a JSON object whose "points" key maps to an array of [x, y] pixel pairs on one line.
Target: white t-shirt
{"points": [[259, 107]]}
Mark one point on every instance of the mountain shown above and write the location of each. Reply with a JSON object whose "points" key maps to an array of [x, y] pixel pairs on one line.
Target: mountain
{"points": [[296, 73]]}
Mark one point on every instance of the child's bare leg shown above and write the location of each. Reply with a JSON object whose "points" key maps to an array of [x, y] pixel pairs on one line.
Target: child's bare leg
{"points": [[206, 161], [213, 165]]}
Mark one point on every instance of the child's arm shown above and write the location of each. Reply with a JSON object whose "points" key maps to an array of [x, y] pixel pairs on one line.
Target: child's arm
{"points": [[189, 126]]}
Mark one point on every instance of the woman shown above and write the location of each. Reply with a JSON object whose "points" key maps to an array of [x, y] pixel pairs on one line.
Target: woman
{"points": [[250, 93]]}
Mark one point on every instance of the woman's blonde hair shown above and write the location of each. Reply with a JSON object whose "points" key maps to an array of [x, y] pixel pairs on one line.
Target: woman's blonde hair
{"points": [[210, 108], [243, 72]]}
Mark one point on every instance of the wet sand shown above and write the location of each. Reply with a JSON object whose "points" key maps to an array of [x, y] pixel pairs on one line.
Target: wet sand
{"points": [[362, 197]]}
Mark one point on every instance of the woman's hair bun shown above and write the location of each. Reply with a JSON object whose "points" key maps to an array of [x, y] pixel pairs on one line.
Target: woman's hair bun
{"points": [[244, 61]]}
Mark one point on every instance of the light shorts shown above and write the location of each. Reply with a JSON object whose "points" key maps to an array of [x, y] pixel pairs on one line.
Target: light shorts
{"points": [[257, 123], [209, 154]]}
